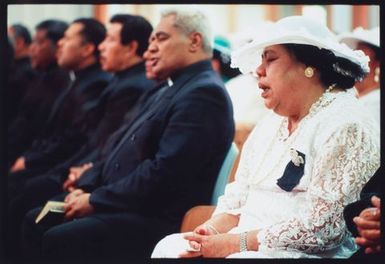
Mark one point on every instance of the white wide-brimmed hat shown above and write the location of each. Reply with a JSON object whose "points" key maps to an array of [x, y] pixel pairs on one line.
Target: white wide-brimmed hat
{"points": [[359, 34], [294, 30]]}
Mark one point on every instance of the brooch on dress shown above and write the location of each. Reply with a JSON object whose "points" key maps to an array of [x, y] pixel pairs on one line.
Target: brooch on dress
{"points": [[293, 172], [296, 158]]}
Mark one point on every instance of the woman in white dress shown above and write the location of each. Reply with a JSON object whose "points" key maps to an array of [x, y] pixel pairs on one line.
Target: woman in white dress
{"points": [[368, 90], [303, 164]]}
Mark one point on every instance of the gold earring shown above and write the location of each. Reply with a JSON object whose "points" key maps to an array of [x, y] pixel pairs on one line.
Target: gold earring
{"points": [[377, 74], [309, 72]]}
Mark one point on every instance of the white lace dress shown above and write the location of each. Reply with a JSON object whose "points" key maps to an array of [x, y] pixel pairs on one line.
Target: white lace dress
{"points": [[340, 143]]}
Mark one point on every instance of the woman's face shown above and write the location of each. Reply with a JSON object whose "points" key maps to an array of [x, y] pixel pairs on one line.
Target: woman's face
{"points": [[280, 77]]}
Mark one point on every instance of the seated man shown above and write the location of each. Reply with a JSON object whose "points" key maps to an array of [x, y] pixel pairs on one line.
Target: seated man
{"points": [[158, 164], [71, 119], [23, 74], [121, 54], [50, 81]]}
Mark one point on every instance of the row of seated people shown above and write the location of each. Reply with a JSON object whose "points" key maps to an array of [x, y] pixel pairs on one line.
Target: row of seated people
{"points": [[139, 128], [124, 147]]}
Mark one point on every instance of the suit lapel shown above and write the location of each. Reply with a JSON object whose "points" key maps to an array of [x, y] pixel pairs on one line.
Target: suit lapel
{"points": [[144, 114], [147, 112]]}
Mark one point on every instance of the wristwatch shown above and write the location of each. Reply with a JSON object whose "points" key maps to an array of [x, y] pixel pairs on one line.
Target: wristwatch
{"points": [[243, 242]]}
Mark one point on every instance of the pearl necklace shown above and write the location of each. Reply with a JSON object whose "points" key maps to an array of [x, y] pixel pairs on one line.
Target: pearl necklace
{"points": [[283, 136]]}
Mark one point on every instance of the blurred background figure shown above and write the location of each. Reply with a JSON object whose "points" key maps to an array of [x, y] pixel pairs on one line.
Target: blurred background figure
{"points": [[40, 95], [21, 40], [221, 59], [248, 104], [22, 73], [74, 114], [47, 82], [368, 90]]}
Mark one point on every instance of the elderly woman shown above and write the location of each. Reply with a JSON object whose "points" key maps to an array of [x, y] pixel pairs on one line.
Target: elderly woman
{"points": [[368, 90], [301, 165]]}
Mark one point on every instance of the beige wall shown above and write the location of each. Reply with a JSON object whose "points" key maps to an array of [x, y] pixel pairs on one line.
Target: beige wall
{"points": [[31, 15], [226, 20]]}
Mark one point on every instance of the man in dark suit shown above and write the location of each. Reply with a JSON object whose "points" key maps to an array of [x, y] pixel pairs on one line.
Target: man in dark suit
{"points": [[71, 119], [120, 53], [158, 164], [23, 74], [50, 81]]}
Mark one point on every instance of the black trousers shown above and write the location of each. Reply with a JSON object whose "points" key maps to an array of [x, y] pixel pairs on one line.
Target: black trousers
{"points": [[21, 199], [104, 235]]}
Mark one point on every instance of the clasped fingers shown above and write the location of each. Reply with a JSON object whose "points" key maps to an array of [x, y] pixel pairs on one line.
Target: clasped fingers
{"points": [[371, 213], [363, 223]]}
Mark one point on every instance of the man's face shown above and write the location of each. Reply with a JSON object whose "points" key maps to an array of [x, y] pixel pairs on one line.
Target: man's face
{"points": [[113, 54], [42, 50], [149, 71], [71, 48], [167, 50]]}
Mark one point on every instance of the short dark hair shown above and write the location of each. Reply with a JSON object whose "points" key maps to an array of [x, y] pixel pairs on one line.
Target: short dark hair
{"points": [[21, 31], [134, 28], [333, 69], [93, 32], [54, 29], [224, 60]]}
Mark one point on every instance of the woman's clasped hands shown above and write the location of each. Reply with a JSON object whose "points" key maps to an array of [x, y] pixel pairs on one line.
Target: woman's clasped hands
{"points": [[206, 242]]}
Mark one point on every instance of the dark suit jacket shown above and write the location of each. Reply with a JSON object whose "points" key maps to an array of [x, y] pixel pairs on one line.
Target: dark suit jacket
{"points": [[372, 187], [68, 128], [21, 76], [169, 157], [118, 99], [34, 110]]}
